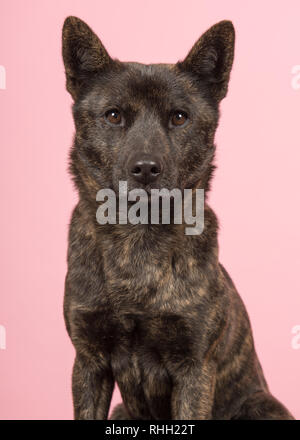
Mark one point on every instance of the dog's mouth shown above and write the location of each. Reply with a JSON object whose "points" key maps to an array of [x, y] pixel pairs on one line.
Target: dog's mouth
{"points": [[146, 192]]}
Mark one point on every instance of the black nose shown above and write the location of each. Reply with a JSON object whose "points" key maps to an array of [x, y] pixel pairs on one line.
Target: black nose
{"points": [[145, 170]]}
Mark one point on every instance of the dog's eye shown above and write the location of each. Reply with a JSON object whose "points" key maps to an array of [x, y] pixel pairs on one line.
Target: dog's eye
{"points": [[113, 116], [179, 117]]}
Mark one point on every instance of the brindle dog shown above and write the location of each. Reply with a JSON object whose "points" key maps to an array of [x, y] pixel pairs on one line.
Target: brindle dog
{"points": [[147, 306]]}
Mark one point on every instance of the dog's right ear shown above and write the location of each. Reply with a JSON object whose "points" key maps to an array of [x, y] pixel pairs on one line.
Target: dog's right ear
{"points": [[211, 57], [83, 54]]}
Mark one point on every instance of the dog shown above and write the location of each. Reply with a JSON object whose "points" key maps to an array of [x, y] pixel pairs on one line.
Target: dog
{"points": [[147, 306]]}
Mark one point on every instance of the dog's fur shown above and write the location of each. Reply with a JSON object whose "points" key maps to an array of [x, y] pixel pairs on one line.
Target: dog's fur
{"points": [[147, 306]]}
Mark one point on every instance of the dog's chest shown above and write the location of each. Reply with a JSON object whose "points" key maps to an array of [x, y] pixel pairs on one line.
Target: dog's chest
{"points": [[151, 275], [145, 323]]}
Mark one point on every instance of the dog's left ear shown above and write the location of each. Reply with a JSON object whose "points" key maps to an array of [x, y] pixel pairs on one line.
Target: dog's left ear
{"points": [[83, 54], [211, 57]]}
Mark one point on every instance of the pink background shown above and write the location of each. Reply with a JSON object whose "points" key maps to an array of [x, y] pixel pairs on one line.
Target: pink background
{"points": [[255, 191]]}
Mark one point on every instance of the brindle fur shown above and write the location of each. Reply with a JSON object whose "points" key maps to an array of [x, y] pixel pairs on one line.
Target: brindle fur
{"points": [[147, 306]]}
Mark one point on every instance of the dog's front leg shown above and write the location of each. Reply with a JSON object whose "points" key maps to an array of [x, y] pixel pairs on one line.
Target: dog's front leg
{"points": [[92, 387], [193, 393]]}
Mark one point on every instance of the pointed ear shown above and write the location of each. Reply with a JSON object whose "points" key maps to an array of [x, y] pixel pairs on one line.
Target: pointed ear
{"points": [[211, 57], [83, 53]]}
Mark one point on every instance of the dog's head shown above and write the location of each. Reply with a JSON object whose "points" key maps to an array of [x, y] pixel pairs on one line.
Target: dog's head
{"points": [[151, 125]]}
